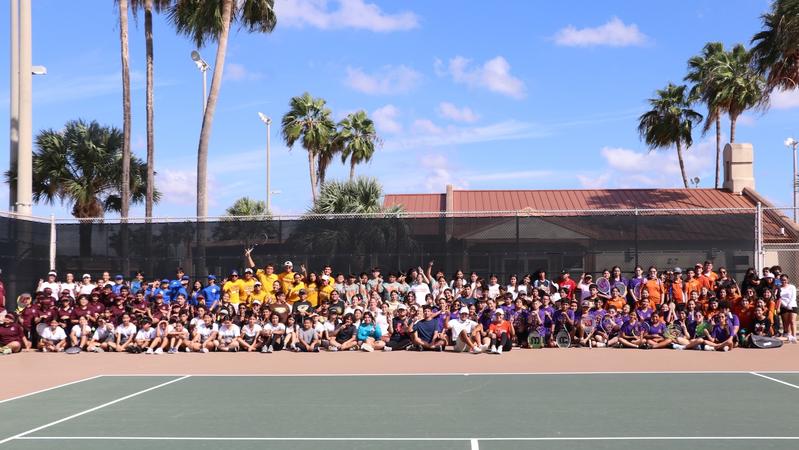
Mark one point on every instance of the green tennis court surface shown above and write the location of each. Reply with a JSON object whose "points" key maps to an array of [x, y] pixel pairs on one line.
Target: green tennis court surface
{"points": [[700, 410]]}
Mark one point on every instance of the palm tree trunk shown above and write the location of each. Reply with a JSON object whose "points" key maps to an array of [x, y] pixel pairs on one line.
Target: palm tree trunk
{"points": [[718, 149], [210, 107], [682, 164], [352, 169], [733, 119], [312, 168], [123, 39], [148, 40]]}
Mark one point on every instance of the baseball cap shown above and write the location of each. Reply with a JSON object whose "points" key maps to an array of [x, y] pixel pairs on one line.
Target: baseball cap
{"points": [[288, 263], [248, 270], [164, 280], [402, 306], [52, 272], [303, 291], [464, 310], [234, 272], [257, 283], [224, 312], [586, 303], [677, 270], [499, 311], [86, 275], [119, 277], [212, 277], [185, 277]]}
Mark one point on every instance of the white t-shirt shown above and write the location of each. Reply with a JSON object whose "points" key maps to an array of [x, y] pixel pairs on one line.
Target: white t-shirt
{"points": [[86, 289], [205, 331], [102, 334], [458, 325], [584, 291], [126, 332], [71, 287], [229, 334], [79, 332], [514, 290], [493, 290], [420, 290], [145, 335], [788, 296], [272, 328], [251, 332], [55, 288], [53, 335], [382, 322]]}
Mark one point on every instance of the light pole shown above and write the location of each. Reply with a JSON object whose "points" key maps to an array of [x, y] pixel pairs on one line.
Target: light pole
{"points": [[268, 122], [203, 66], [791, 142]]}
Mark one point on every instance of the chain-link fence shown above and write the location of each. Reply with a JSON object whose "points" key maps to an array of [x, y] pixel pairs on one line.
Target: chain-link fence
{"points": [[501, 243]]}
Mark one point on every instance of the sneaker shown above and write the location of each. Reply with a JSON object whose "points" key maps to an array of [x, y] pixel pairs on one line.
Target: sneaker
{"points": [[387, 349], [5, 350], [493, 349], [483, 348], [44, 350], [367, 348], [476, 350], [99, 350], [149, 351], [677, 347], [188, 350], [354, 348], [172, 351], [332, 349], [158, 351], [600, 345], [499, 350], [205, 350], [265, 349], [295, 349], [726, 348], [708, 348], [270, 349], [91, 348], [792, 339]]}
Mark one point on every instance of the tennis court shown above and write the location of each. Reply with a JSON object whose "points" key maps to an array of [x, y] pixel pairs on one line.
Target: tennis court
{"points": [[704, 410]]}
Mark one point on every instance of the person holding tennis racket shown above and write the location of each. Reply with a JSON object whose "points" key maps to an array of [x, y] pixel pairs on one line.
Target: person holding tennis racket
{"points": [[563, 324], [631, 333]]}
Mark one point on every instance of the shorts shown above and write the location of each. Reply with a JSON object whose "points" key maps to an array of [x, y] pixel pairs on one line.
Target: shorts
{"points": [[249, 339]]}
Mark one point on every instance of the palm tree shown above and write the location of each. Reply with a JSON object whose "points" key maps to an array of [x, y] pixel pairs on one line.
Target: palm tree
{"points": [[737, 86], [358, 139], [699, 69], [123, 41], [361, 196], [149, 6], [775, 53], [309, 121], [670, 122], [205, 20], [245, 206]]}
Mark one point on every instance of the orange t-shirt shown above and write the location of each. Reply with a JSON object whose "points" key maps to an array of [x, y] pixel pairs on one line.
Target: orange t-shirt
{"points": [[707, 282], [499, 327], [616, 302], [693, 285], [655, 288], [677, 292]]}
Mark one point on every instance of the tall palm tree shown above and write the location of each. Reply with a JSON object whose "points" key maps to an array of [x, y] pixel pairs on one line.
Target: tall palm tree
{"points": [[670, 122], [737, 86], [123, 41], [699, 69], [309, 121], [210, 20], [149, 6], [245, 206], [358, 139], [775, 52]]}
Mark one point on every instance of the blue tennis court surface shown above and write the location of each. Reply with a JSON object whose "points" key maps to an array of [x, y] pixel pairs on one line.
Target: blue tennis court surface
{"points": [[702, 410]]}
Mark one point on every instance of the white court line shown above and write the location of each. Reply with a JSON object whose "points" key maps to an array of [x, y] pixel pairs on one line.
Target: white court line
{"points": [[774, 379], [475, 444], [49, 389], [121, 399], [442, 374], [363, 438]]}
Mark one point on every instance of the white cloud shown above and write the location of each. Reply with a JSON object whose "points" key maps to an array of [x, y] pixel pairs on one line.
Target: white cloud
{"points": [[386, 119], [437, 173], [426, 126], [784, 99], [357, 14], [452, 112], [746, 120], [614, 33], [510, 175], [627, 168], [178, 187], [387, 80], [493, 75], [237, 72]]}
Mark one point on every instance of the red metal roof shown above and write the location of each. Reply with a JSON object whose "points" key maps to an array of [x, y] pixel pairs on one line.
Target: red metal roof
{"points": [[572, 199]]}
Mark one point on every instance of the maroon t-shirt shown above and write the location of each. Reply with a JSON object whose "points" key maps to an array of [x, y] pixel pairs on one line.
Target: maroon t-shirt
{"points": [[97, 308], [64, 313], [2, 295], [117, 311], [10, 333], [28, 315], [79, 312]]}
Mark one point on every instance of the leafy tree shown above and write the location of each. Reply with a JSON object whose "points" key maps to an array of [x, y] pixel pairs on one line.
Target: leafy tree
{"points": [[737, 87], [248, 207], [310, 123], [210, 20], [670, 122], [357, 138], [775, 51]]}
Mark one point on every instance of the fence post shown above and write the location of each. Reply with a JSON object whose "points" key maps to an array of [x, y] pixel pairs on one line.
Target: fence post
{"points": [[52, 241], [636, 237], [759, 238]]}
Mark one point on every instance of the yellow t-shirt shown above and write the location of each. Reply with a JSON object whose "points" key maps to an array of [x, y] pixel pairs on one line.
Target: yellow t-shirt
{"points": [[235, 289], [248, 287], [286, 281], [260, 296], [313, 294], [324, 293], [266, 280], [294, 292]]}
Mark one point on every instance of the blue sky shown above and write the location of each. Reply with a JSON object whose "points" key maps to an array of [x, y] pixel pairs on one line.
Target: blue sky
{"points": [[504, 95]]}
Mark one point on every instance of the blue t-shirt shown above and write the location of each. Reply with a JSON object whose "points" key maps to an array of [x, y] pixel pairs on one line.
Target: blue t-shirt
{"points": [[211, 294], [425, 329], [369, 331]]}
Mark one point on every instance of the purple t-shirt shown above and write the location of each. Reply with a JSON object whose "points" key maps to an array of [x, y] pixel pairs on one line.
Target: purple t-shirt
{"points": [[658, 329], [560, 316], [720, 333], [644, 314]]}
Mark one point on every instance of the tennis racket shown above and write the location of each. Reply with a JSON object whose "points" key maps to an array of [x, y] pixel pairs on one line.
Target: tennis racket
{"points": [[40, 327], [673, 331], [587, 322], [621, 287], [700, 329], [765, 342], [72, 350], [563, 339], [608, 325], [642, 328], [535, 339], [603, 285], [637, 291]]}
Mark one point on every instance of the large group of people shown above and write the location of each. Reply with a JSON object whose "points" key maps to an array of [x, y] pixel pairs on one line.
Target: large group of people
{"points": [[265, 310]]}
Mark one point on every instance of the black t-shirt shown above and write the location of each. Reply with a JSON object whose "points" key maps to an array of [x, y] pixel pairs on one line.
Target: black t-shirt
{"points": [[400, 327], [761, 327], [302, 309], [338, 307], [345, 333]]}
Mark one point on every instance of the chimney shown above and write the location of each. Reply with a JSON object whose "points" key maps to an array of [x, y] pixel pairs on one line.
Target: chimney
{"points": [[450, 199], [738, 167]]}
